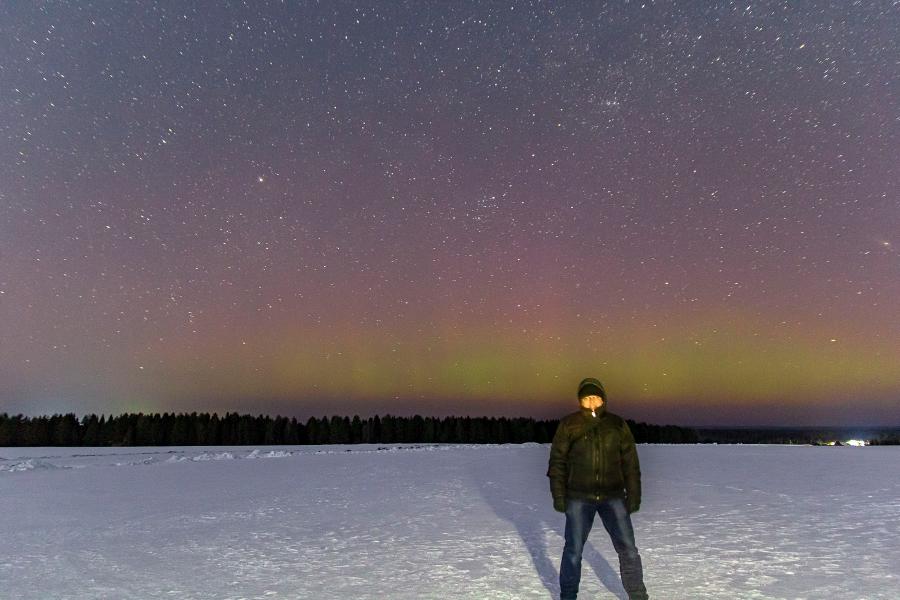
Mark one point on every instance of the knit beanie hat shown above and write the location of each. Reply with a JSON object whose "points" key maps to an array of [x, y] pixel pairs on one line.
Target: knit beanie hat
{"points": [[591, 387]]}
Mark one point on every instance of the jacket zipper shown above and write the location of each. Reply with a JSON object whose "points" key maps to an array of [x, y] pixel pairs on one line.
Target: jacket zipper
{"points": [[597, 473]]}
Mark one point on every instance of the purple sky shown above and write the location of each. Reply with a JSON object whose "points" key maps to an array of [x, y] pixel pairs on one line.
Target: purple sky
{"points": [[452, 208]]}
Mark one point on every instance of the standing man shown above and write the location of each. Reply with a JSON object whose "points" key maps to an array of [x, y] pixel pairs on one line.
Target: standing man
{"points": [[594, 469]]}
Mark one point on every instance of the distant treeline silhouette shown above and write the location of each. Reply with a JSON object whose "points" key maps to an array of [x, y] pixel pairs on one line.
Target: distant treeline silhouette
{"points": [[170, 429], [797, 435]]}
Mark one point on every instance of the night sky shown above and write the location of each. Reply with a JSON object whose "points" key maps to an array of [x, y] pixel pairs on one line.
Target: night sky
{"points": [[452, 208]]}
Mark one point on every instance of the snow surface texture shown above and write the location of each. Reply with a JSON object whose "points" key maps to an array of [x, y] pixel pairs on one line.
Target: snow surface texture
{"points": [[443, 522]]}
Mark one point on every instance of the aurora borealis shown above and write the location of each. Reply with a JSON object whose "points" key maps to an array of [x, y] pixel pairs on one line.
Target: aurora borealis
{"points": [[452, 208]]}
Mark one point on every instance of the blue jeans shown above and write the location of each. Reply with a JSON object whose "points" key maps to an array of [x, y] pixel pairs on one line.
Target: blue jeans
{"points": [[617, 521]]}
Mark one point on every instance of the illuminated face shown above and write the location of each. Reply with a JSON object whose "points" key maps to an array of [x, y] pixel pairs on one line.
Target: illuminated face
{"points": [[592, 402]]}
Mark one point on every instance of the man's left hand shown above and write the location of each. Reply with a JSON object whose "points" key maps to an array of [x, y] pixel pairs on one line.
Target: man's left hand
{"points": [[632, 505]]}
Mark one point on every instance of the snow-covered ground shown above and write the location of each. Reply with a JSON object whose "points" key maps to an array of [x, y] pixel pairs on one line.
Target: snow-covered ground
{"points": [[451, 521]]}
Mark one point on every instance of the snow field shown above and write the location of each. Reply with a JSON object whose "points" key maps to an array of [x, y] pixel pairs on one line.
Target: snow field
{"points": [[409, 521]]}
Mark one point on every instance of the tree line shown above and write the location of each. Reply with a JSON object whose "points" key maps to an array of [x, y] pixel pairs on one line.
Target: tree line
{"points": [[183, 429], [815, 436]]}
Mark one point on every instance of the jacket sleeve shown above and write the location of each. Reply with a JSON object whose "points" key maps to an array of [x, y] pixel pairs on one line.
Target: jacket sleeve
{"points": [[558, 469], [631, 466]]}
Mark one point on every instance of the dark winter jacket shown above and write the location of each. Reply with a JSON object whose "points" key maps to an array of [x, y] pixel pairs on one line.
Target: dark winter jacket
{"points": [[593, 458]]}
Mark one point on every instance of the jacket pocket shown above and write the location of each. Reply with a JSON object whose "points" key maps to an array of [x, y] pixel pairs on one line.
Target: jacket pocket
{"points": [[617, 479]]}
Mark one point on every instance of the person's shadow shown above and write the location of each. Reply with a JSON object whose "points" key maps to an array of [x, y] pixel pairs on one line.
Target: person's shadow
{"points": [[533, 516]]}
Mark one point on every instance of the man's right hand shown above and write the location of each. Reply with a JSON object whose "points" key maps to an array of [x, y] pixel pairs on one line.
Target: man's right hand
{"points": [[559, 505]]}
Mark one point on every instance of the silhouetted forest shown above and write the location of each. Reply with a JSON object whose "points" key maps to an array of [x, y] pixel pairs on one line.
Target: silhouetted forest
{"points": [[169, 429], [886, 440], [797, 435]]}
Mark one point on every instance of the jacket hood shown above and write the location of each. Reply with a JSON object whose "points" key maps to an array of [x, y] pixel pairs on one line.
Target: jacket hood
{"points": [[593, 383]]}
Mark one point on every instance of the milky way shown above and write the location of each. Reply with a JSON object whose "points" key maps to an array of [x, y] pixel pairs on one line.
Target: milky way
{"points": [[452, 208]]}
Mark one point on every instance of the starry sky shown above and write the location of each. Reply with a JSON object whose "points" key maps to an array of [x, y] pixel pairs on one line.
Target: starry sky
{"points": [[452, 208]]}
